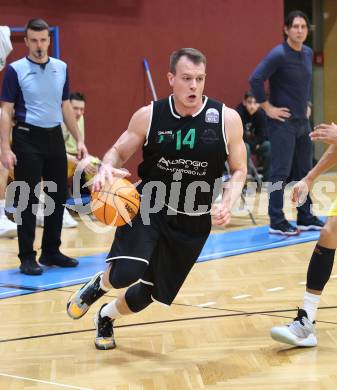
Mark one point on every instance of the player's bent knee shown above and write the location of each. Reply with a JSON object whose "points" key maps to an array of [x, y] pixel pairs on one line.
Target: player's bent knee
{"points": [[120, 278], [138, 297]]}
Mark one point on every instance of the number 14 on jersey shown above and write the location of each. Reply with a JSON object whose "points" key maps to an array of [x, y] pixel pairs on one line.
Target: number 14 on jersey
{"points": [[188, 140]]}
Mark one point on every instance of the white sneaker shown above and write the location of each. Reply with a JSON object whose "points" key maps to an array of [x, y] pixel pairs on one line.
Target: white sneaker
{"points": [[68, 220], [7, 227], [301, 332]]}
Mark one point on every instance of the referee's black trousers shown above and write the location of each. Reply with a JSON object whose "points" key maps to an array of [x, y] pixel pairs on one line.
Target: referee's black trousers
{"points": [[40, 154]]}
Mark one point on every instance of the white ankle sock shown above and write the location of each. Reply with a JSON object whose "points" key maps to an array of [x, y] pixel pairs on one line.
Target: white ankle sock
{"points": [[103, 286], [310, 304], [110, 310]]}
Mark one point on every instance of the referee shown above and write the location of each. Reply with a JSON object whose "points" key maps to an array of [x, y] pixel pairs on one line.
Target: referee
{"points": [[36, 87]]}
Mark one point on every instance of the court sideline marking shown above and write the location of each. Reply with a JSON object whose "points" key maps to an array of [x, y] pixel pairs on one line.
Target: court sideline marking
{"points": [[46, 382]]}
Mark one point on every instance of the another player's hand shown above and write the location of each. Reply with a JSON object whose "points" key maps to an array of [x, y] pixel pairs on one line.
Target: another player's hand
{"points": [[106, 174], [325, 133], [82, 151], [8, 159], [300, 191], [221, 215], [89, 165], [279, 113]]}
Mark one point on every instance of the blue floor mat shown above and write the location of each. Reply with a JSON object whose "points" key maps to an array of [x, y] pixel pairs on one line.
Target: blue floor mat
{"points": [[13, 283]]}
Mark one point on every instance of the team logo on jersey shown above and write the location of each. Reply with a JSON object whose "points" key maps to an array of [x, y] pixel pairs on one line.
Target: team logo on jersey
{"points": [[212, 116], [164, 136], [191, 167], [209, 136]]}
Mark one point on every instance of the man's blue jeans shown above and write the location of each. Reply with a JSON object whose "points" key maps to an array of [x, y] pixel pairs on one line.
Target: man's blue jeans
{"points": [[291, 153]]}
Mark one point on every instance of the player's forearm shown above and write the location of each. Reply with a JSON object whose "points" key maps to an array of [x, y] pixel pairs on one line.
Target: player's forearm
{"points": [[328, 160], [70, 122], [233, 188], [112, 157]]}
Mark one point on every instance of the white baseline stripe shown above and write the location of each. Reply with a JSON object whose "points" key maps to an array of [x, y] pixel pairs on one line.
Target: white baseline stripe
{"points": [[10, 292], [47, 382]]}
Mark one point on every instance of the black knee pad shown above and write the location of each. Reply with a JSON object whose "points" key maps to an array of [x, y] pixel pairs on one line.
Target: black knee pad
{"points": [[138, 297], [125, 272], [320, 267]]}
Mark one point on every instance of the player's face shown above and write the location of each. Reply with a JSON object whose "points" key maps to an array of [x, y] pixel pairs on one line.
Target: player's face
{"points": [[37, 43], [78, 108], [251, 105], [188, 84], [298, 31]]}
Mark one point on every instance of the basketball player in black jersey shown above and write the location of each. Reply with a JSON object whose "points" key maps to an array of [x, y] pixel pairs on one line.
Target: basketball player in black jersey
{"points": [[186, 139]]}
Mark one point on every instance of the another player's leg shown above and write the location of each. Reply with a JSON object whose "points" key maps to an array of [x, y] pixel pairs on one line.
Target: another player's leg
{"points": [[301, 332], [136, 298]]}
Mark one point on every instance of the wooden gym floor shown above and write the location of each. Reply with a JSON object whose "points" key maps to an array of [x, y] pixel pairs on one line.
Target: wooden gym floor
{"points": [[214, 336]]}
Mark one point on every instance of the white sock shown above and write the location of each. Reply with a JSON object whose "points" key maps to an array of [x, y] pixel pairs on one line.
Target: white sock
{"points": [[2, 207], [310, 304], [110, 310], [103, 286]]}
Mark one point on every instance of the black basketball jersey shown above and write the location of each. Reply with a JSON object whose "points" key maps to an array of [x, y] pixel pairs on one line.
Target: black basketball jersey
{"points": [[187, 154]]}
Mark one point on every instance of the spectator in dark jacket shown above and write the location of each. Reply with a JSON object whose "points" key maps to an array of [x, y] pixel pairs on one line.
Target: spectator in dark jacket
{"points": [[254, 132]]}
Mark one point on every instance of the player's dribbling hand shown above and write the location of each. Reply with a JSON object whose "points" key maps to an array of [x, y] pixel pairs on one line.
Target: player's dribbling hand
{"points": [[300, 191], [325, 133], [8, 159], [220, 214], [106, 174]]}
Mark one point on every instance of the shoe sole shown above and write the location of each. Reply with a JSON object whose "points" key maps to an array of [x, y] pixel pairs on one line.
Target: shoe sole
{"points": [[288, 338], [274, 231], [31, 274], [305, 228], [101, 343], [75, 308]]}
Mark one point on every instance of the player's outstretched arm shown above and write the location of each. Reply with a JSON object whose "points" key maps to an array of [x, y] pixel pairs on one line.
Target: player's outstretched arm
{"points": [[127, 144], [301, 189], [325, 133]]}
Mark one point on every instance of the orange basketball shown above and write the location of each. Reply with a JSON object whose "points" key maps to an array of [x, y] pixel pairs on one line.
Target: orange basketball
{"points": [[116, 203]]}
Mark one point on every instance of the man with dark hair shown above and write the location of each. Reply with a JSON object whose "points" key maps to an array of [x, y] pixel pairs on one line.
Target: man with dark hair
{"points": [[254, 132], [186, 139], [37, 88], [288, 67], [87, 165]]}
